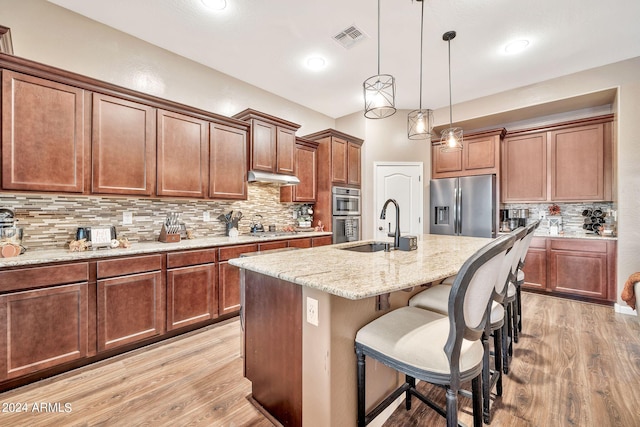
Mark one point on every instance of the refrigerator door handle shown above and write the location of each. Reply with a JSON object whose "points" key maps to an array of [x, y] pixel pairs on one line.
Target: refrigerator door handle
{"points": [[459, 217]]}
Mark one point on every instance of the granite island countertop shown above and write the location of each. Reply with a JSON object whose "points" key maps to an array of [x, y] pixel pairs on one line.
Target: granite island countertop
{"points": [[137, 248], [357, 275]]}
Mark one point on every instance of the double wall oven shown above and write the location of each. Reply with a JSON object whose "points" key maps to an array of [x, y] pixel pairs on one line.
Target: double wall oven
{"points": [[346, 204]]}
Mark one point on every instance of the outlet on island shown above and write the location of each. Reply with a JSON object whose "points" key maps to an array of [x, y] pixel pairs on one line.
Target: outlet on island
{"points": [[312, 311]]}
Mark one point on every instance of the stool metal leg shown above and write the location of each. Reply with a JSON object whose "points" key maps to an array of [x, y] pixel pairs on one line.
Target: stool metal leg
{"points": [[361, 388]]}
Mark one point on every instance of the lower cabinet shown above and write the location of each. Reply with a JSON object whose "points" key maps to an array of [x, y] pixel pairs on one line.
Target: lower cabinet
{"points": [[42, 328], [574, 267], [191, 288], [229, 278], [321, 241], [130, 300]]}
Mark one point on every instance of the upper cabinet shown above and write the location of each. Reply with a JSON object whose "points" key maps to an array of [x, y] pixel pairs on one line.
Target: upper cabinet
{"points": [[123, 141], [68, 133], [272, 142], [227, 162], [45, 141], [571, 161], [339, 158], [182, 155], [306, 169], [480, 155]]}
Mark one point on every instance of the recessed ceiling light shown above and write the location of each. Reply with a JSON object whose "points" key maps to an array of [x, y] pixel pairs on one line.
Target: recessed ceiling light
{"points": [[516, 46], [316, 63], [215, 4]]}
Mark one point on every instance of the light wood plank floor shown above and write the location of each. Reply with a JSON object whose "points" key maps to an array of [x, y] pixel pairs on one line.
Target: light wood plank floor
{"points": [[577, 364]]}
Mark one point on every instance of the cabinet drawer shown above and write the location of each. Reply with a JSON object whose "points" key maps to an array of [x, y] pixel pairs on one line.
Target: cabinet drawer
{"points": [[273, 245], [36, 277], [235, 251], [578, 245], [321, 241], [300, 243], [538, 242], [183, 259], [122, 266]]}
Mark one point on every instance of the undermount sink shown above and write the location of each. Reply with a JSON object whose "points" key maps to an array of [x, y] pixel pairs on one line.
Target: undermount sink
{"points": [[367, 247]]}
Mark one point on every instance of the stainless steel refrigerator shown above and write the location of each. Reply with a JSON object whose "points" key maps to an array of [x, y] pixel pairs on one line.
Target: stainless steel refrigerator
{"points": [[464, 206]]}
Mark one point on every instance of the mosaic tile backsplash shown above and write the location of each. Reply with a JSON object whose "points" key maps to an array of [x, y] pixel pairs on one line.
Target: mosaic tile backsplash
{"points": [[50, 221], [571, 213]]}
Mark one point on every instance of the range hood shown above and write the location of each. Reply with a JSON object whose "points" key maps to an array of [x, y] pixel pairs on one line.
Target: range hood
{"points": [[274, 178]]}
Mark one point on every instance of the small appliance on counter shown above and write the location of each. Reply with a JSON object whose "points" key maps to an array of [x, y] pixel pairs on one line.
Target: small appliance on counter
{"points": [[10, 235], [408, 243], [98, 236]]}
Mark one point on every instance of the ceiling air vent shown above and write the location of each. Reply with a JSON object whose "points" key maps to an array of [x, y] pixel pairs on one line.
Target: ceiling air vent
{"points": [[349, 37]]}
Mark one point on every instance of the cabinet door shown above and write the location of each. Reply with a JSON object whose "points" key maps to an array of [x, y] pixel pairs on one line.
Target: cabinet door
{"points": [[228, 288], [535, 269], [130, 308], [191, 295], [286, 141], [228, 163], [524, 168], [579, 267], [182, 155], [263, 146], [353, 168], [124, 146], [445, 162], [307, 172], [42, 328], [300, 243], [577, 163], [339, 160], [322, 241], [481, 153], [44, 147]]}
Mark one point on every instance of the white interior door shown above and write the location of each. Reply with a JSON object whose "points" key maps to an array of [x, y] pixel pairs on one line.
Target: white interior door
{"points": [[401, 181]]}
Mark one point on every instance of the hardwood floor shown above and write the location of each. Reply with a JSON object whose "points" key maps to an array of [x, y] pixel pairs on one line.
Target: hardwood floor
{"points": [[577, 364]]}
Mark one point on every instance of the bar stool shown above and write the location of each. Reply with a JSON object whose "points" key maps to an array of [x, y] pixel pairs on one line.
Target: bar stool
{"points": [[425, 345], [434, 299]]}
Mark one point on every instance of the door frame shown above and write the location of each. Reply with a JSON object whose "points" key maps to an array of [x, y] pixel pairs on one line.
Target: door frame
{"points": [[375, 189]]}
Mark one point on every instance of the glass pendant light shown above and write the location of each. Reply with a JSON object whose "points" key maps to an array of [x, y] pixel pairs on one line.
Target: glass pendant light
{"points": [[379, 90], [420, 121], [451, 139]]}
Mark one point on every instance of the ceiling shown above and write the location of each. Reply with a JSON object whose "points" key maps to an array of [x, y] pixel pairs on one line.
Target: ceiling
{"points": [[266, 43]]}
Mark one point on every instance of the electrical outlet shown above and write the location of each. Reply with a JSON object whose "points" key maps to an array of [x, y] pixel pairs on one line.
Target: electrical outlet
{"points": [[127, 218], [542, 215], [206, 217], [312, 311]]}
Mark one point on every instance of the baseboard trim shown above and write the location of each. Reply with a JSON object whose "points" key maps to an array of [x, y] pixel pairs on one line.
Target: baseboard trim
{"points": [[624, 309]]}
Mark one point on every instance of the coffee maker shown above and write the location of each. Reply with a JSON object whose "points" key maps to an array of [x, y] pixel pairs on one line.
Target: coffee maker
{"points": [[510, 219]]}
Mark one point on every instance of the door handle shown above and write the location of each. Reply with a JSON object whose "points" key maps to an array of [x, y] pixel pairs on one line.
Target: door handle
{"points": [[379, 228]]}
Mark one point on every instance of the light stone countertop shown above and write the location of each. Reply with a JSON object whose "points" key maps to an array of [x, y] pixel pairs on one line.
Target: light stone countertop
{"points": [[357, 275], [61, 255]]}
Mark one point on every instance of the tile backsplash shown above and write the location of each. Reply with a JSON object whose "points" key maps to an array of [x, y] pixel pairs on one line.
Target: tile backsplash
{"points": [[50, 221], [571, 213]]}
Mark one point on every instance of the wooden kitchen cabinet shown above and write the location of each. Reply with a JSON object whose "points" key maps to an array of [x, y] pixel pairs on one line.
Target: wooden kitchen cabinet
{"points": [[345, 162], [524, 168], [45, 135], [306, 169], [572, 267], [581, 268], [569, 161], [130, 300], [44, 318], [123, 146], [321, 241], [535, 265], [191, 287], [182, 155], [300, 243], [272, 142], [229, 278], [480, 155], [227, 162]]}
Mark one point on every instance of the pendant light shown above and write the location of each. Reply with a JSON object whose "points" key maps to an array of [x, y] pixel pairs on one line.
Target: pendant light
{"points": [[420, 122], [451, 139], [379, 90]]}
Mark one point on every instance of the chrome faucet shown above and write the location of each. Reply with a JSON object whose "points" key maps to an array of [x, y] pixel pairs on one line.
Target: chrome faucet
{"points": [[383, 214]]}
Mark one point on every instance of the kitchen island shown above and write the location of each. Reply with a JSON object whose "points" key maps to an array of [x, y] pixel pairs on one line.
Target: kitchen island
{"points": [[303, 373]]}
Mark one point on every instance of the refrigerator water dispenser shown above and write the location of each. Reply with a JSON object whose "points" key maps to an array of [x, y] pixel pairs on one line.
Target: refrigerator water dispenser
{"points": [[442, 215]]}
